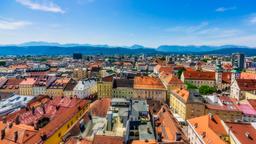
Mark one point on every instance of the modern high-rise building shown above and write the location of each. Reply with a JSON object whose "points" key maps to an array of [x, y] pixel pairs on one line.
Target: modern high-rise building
{"points": [[77, 56], [238, 60]]}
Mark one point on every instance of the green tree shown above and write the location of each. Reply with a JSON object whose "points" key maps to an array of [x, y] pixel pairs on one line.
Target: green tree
{"points": [[190, 86], [205, 89], [179, 73]]}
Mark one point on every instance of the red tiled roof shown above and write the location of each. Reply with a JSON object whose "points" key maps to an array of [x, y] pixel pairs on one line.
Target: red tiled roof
{"points": [[67, 108], [100, 107], [252, 102], [108, 78], [240, 130], [203, 75], [198, 75], [246, 84]]}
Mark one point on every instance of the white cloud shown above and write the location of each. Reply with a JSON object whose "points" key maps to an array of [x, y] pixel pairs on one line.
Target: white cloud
{"points": [[223, 9], [188, 29], [252, 20], [43, 5], [12, 25]]}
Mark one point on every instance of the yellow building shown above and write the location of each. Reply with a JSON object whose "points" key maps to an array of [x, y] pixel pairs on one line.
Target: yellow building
{"points": [[79, 73], [250, 95], [26, 86], [122, 88], [57, 88], [186, 104], [105, 86], [66, 127]]}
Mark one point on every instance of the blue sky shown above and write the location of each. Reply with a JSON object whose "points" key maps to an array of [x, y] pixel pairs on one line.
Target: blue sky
{"points": [[126, 22]]}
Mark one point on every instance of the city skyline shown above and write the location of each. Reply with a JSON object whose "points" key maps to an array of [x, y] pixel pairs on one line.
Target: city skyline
{"points": [[124, 23]]}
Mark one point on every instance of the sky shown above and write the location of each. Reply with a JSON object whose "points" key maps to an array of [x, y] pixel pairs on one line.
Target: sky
{"points": [[150, 23]]}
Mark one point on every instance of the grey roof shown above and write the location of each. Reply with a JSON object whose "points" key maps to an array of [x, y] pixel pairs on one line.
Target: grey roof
{"points": [[146, 132]]}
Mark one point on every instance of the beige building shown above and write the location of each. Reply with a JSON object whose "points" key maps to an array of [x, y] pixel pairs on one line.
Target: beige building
{"points": [[26, 86], [186, 104], [146, 87], [104, 87]]}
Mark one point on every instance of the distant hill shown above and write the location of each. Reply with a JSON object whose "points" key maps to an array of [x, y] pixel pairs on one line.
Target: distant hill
{"points": [[228, 51], [57, 50], [188, 49], [46, 48]]}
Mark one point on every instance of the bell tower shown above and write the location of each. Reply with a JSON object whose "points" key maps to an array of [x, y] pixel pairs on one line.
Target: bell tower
{"points": [[218, 74]]}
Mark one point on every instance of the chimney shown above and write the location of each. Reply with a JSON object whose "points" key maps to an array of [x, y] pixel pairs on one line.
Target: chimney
{"points": [[57, 107], [17, 120], [159, 139], [247, 134], [43, 109], [10, 125], [33, 110], [203, 134], [36, 126], [178, 136], [149, 131], [196, 125], [2, 134], [16, 136], [43, 136], [4, 120]]}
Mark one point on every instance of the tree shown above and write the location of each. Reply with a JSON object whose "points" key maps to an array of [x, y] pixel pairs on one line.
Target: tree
{"points": [[205, 89], [190, 86], [179, 73]]}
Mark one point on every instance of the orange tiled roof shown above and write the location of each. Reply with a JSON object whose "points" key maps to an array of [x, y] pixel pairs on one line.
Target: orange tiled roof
{"points": [[183, 93], [209, 128], [18, 66], [165, 69], [246, 75], [168, 126], [169, 78], [99, 139], [146, 82], [143, 142], [28, 81]]}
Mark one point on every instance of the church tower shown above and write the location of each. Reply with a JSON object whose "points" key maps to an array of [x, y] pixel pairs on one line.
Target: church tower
{"points": [[235, 73], [218, 74]]}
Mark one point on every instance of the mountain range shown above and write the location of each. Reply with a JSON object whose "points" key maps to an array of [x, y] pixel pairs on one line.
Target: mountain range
{"points": [[46, 48]]}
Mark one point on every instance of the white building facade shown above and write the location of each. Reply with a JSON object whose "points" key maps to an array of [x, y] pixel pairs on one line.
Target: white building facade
{"points": [[85, 88]]}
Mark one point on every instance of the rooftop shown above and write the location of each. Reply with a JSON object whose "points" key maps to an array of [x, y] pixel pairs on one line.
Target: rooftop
{"points": [[28, 81], [146, 82], [244, 132], [210, 128]]}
